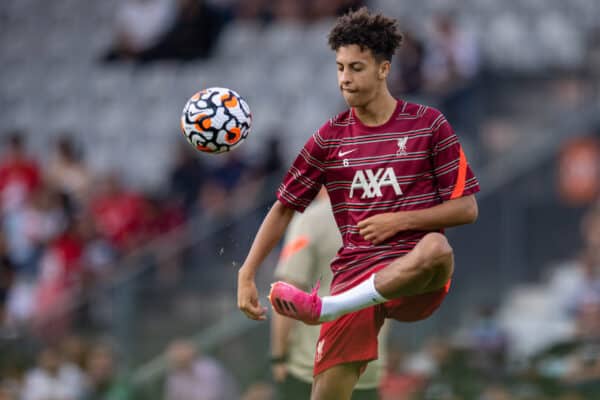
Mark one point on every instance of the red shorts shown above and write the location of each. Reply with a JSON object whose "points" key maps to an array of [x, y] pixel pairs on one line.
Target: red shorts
{"points": [[353, 337]]}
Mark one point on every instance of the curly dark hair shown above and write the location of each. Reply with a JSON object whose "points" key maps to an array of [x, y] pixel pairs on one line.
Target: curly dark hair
{"points": [[375, 32]]}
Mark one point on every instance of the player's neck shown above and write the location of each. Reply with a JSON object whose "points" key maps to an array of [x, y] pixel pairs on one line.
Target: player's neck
{"points": [[378, 111]]}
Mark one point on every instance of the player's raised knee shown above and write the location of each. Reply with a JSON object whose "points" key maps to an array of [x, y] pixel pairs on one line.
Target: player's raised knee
{"points": [[436, 246]]}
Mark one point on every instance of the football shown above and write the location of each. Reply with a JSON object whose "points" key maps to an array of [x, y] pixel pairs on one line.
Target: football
{"points": [[216, 120]]}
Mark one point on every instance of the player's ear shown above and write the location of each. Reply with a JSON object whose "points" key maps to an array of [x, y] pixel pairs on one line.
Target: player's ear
{"points": [[384, 69]]}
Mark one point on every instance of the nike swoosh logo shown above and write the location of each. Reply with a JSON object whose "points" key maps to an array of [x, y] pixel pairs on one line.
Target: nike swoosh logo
{"points": [[343, 153]]}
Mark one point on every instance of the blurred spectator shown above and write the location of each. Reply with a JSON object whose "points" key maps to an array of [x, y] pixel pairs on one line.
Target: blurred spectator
{"points": [[52, 379], [212, 215], [163, 216], [587, 294], [576, 362], [34, 225], [59, 283], [579, 171], [99, 264], [397, 382], [99, 254], [497, 136], [586, 301], [212, 204], [7, 277], [570, 93], [273, 161], [19, 174], [452, 58], [74, 350], [266, 175], [584, 363], [241, 180], [139, 25], [20, 304], [230, 170], [118, 213], [230, 187], [187, 176], [488, 342], [103, 380], [408, 67], [67, 172], [194, 34], [451, 66], [196, 377], [433, 364]]}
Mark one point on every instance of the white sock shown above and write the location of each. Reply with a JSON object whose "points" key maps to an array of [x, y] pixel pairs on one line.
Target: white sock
{"points": [[357, 298]]}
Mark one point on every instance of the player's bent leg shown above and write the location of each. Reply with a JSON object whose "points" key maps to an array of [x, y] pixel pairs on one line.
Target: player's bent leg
{"points": [[427, 268], [337, 382]]}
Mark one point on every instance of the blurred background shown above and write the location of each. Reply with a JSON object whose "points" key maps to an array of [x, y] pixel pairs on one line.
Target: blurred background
{"points": [[119, 244]]}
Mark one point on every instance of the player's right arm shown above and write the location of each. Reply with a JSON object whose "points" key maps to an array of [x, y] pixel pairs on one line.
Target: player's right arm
{"points": [[299, 187], [269, 234]]}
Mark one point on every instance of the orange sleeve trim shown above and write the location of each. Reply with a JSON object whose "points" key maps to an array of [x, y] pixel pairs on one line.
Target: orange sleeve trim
{"points": [[459, 187], [293, 247]]}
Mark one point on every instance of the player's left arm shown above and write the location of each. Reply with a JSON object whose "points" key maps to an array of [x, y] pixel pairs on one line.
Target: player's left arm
{"points": [[455, 212]]}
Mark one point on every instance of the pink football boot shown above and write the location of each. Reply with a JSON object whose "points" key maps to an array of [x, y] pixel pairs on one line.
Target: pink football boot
{"points": [[292, 302]]}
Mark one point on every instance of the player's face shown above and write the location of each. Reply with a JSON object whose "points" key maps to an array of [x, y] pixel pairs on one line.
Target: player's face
{"points": [[360, 75]]}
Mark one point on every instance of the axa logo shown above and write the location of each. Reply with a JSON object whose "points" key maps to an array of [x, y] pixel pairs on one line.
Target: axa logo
{"points": [[372, 182]]}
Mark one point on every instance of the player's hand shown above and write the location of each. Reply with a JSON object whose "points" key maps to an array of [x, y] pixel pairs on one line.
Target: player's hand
{"points": [[379, 228], [248, 299], [279, 371]]}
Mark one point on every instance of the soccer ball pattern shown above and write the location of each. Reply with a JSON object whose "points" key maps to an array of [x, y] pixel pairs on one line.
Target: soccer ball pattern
{"points": [[216, 120]]}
